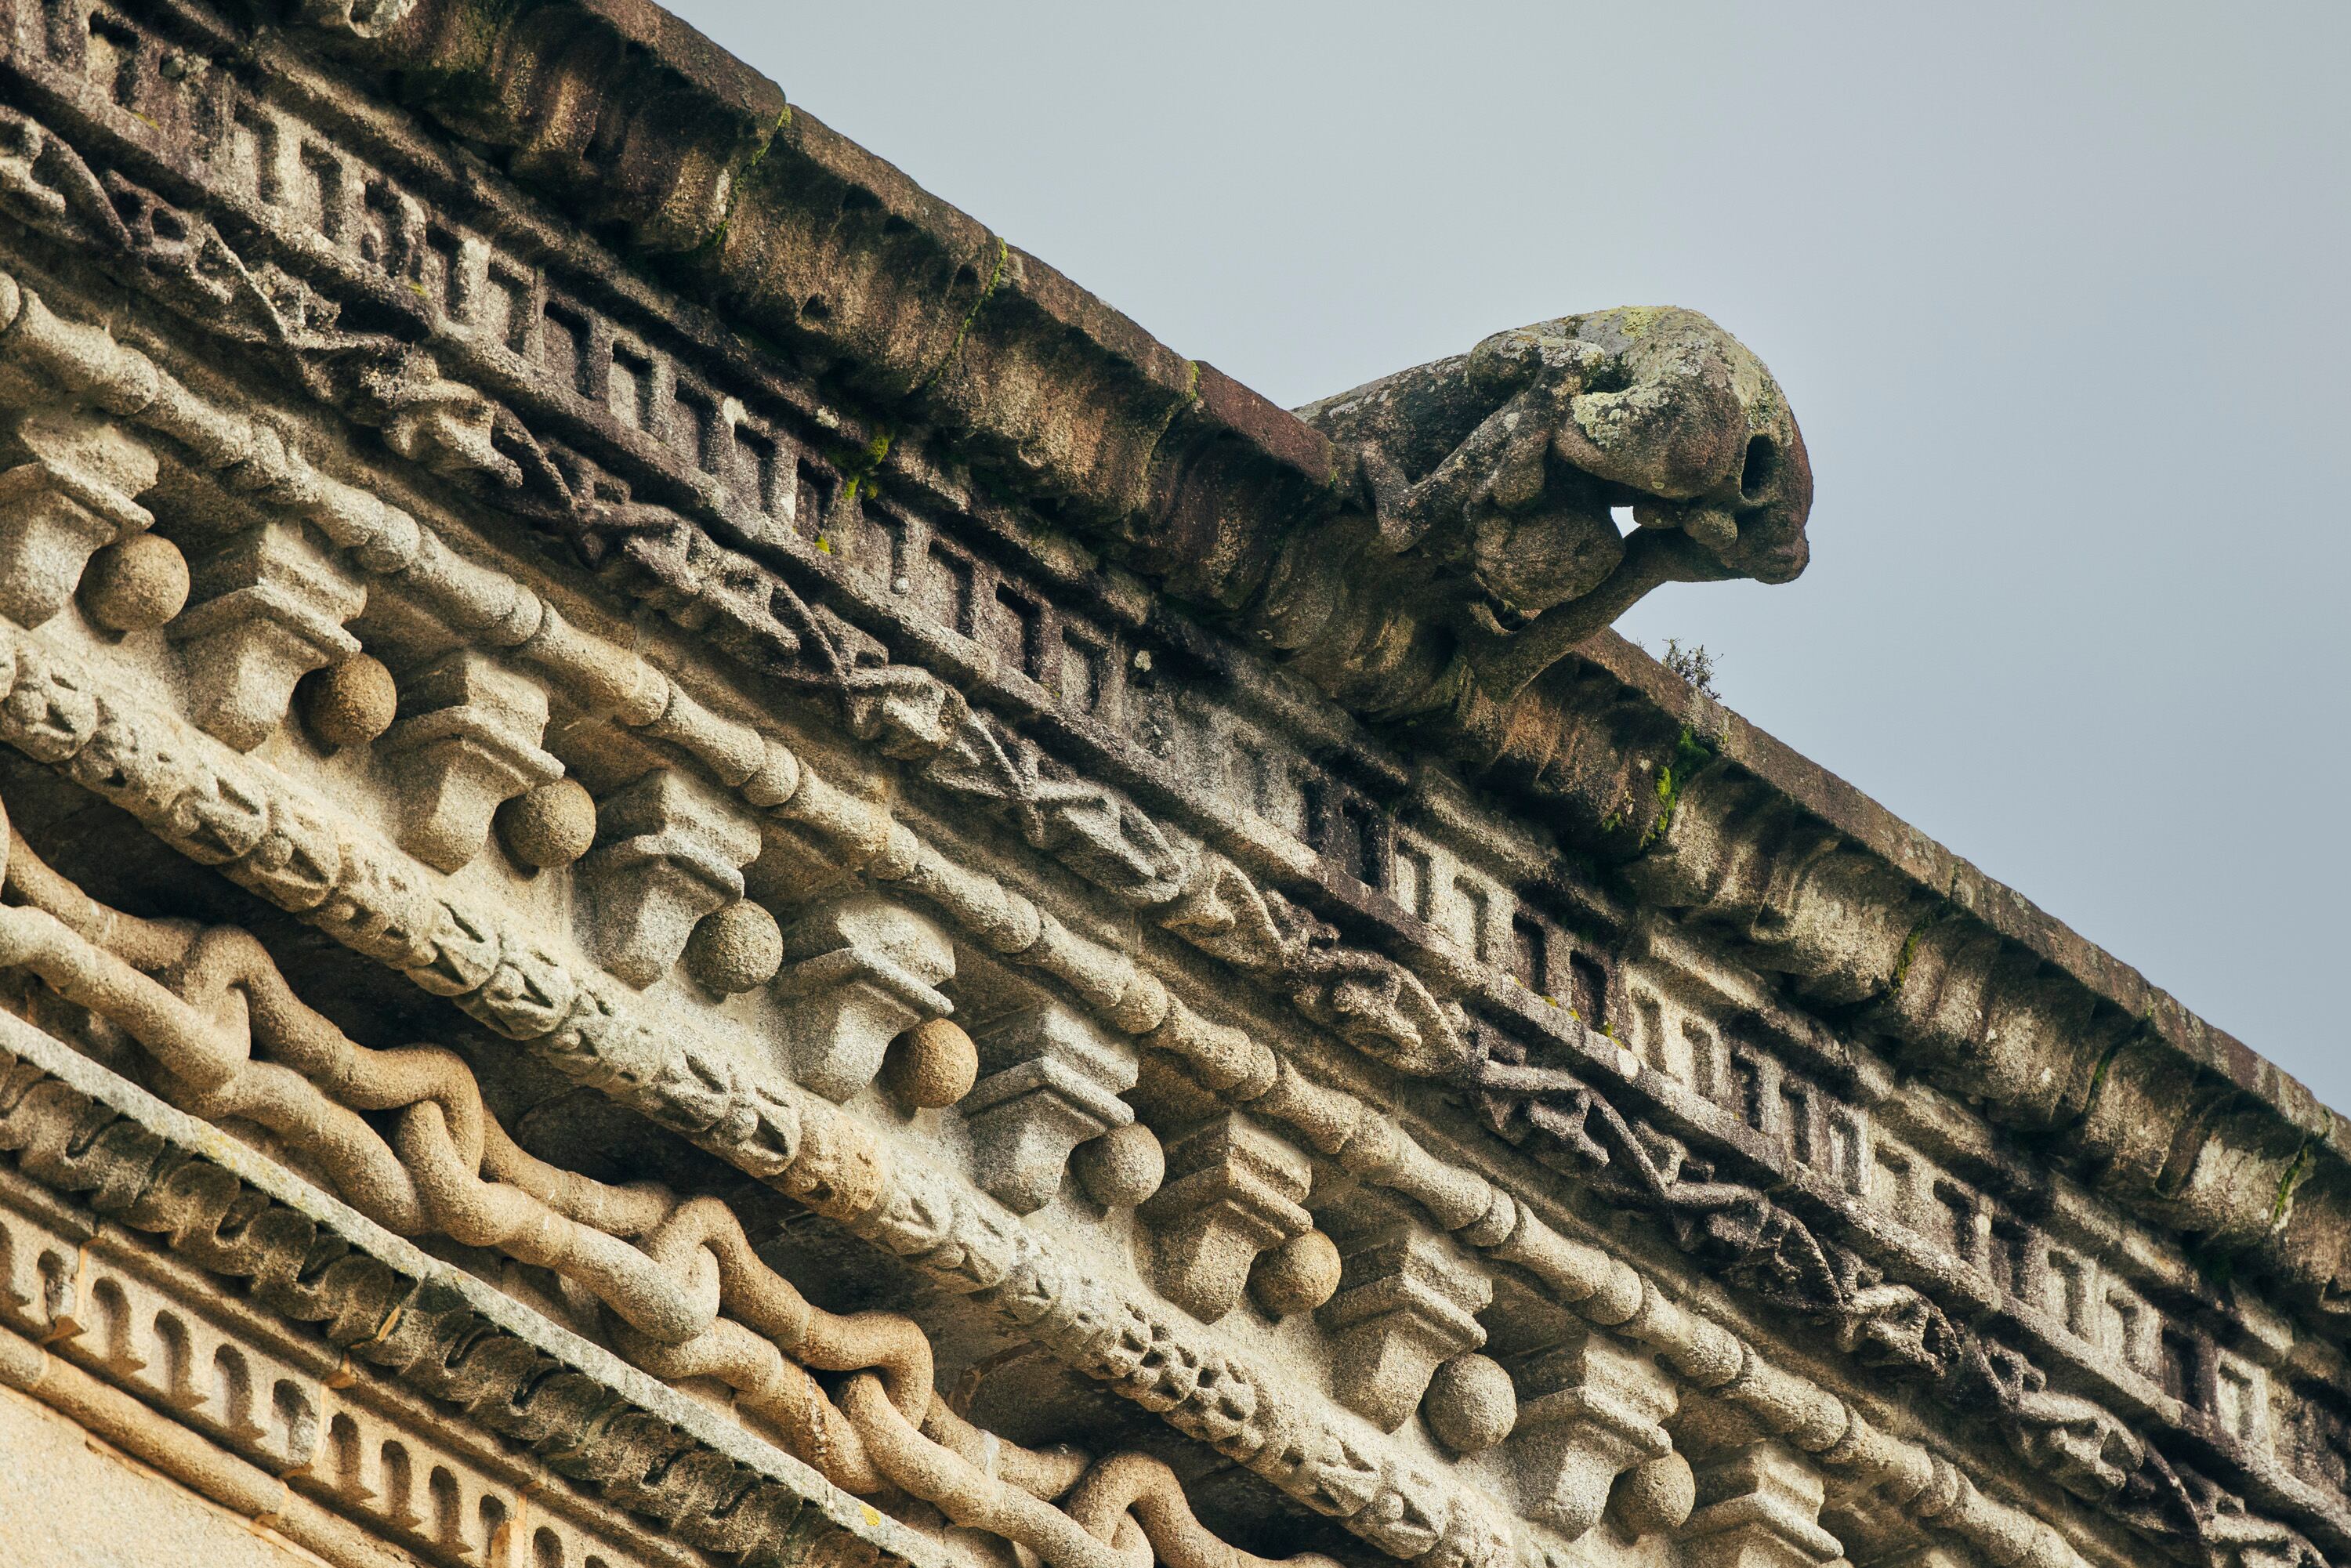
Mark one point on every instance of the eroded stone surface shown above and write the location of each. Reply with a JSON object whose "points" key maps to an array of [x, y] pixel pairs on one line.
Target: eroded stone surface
{"points": [[893, 875]]}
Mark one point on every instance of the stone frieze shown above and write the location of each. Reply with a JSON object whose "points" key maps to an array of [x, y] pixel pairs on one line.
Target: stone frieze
{"points": [[1633, 1058]]}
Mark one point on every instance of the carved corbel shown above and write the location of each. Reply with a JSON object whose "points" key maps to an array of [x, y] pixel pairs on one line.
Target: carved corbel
{"points": [[861, 971], [1232, 1191], [1050, 1078], [1587, 1413], [465, 743], [1760, 1508], [1406, 1303], [671, 850], [71, 495], [265, 609]]}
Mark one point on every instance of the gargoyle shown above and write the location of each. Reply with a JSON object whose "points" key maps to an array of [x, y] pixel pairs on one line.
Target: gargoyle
{"points": [[1479, 540]]}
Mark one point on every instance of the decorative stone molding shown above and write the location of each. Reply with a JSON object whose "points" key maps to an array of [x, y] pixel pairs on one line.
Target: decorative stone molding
{"points": [[1593, 738], [670, 851], [466, 741], [1406, 1304], [832, 1164], [1683, 977], [266, 607], [727, 755], [1587, 1413], [1590, 739], [1049, 1080], [860, 972], [377, 1308], [1759, 1508], [73, 492], [223, 814], [1233, 1190]]}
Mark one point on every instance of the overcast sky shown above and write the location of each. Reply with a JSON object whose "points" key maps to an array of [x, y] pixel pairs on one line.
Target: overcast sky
{"points": [[2058, 293]]}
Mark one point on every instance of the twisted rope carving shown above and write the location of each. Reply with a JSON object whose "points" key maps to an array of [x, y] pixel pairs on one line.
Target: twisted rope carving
{"points": [[687, 1296]]}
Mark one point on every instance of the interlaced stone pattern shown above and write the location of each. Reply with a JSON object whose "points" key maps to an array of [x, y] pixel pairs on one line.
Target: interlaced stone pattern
{"points": [[698, 868]]}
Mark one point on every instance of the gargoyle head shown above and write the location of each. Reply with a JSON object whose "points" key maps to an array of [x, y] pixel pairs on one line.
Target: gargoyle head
{"points": [[1494, 478], [1675, 411]]}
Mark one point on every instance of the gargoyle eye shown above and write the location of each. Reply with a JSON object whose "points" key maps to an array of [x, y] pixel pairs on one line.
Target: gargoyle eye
{"points": [[1762, 463]]}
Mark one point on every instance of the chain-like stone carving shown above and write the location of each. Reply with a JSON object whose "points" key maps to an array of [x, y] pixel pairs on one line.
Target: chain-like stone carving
{"points": [[363, 897], [2226, 1193], [688, 1296], [912, 692], [2095, 1455], [493, 605], [81, 1130], [527, 992], [1380, 985]]}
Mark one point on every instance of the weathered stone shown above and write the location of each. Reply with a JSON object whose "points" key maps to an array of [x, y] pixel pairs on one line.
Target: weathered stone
{"points": [[138, 583], [72, 494], [350, 703], [1592, 1413], [861, 972], [1121, 1167], [267, 608], [1050, 1080], [466, 742], [671, 851], [1231, 1192], [824, 599], [1405, 1305], [932, 1065]]}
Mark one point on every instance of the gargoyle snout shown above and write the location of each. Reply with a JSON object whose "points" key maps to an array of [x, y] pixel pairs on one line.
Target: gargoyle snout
{"points": [[1775, 496], [1688, 419]]}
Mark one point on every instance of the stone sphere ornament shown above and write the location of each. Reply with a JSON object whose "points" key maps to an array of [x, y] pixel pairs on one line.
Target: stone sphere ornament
{"points": [[1655, 1496], [135, 584], [1121, 1167], [735, 949], [931, 1066], [349, 704], [552, 825], [1470, 1404], [1298, 1276]]}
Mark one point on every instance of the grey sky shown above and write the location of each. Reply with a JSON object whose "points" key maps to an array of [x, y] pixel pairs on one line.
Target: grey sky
{"points": [[2058, 293]]}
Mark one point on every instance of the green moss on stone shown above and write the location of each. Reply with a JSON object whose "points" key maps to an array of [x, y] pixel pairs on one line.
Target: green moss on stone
{"points": [[1691, 755]]}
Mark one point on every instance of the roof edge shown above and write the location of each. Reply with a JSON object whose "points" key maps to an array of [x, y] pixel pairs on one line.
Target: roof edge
{"points": [[818, 248]]}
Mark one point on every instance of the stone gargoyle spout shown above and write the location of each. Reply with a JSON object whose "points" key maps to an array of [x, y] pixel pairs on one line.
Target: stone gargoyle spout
{"points": [[1478, 539]]}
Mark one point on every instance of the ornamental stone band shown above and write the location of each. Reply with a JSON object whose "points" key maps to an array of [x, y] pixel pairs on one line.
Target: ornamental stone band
{"points": [[698, 869]]}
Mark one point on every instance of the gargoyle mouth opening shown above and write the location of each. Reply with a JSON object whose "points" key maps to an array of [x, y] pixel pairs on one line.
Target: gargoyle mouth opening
{"points": [[1759, 468]]}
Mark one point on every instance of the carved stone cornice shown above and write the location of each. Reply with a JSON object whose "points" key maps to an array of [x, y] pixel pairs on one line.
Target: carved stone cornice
{"points": [[2200, 1131], [1440, 943], [240, 818], [480, 598]]}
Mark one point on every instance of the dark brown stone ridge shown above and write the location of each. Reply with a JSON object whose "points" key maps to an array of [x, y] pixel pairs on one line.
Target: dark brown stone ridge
{"points": [[816, 247]]}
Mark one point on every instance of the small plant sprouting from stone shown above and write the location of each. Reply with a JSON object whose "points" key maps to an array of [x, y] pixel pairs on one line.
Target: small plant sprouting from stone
{"points": [[1692, 663]]}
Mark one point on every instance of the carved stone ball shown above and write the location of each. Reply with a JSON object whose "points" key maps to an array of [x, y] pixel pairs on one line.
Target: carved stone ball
{"points": [[932, 1065], [1121, 1167], [349, 704], [1655, 1496], [1298, 1276], [135, 584], [737, 948], [552, 825], [1471, 1404]]}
